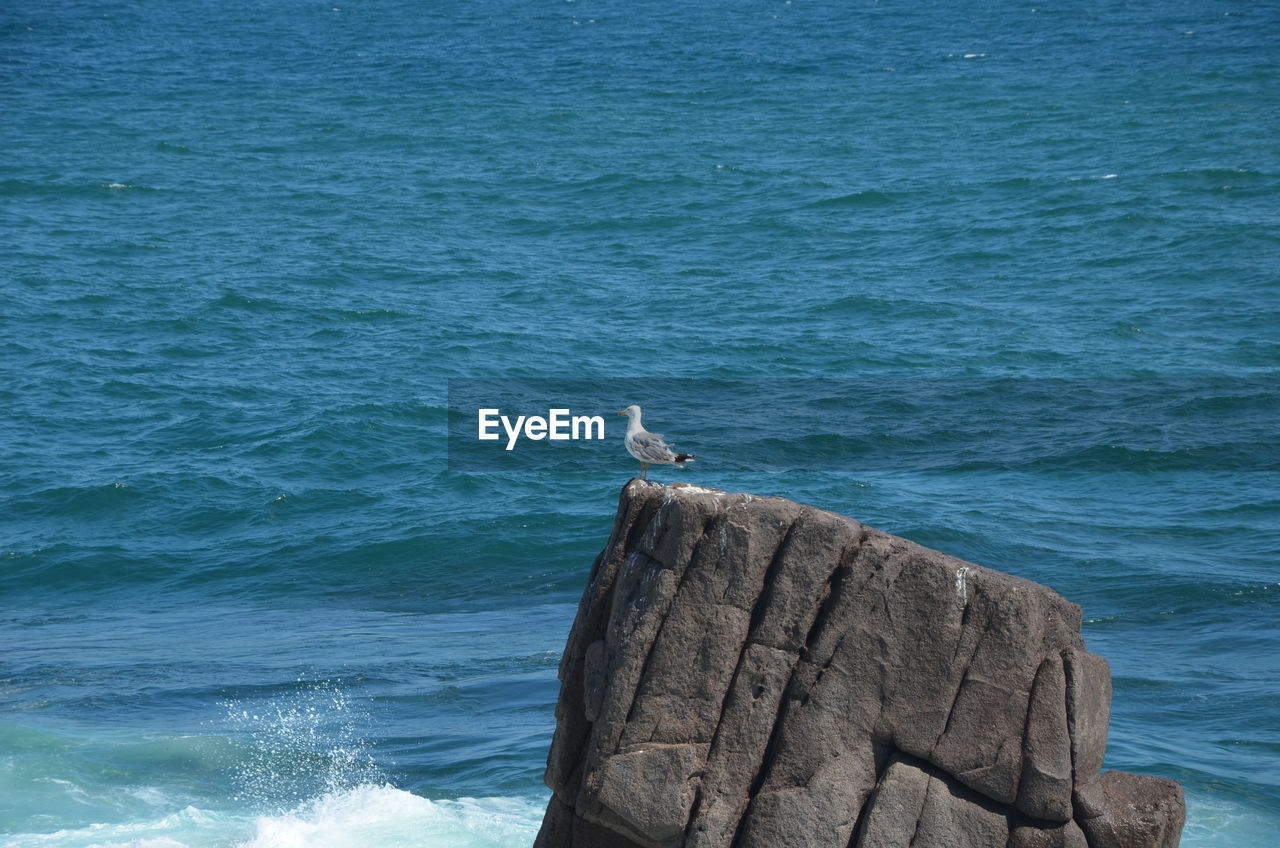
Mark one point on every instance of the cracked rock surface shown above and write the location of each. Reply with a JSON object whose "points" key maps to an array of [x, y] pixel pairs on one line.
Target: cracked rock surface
{"points": [[747, 672]]}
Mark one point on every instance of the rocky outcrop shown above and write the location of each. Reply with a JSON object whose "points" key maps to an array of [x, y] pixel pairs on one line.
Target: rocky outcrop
{"points": [[747, 672]]}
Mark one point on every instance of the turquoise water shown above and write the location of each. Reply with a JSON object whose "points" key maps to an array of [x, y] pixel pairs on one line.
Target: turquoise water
{"points": [[245, 247]]}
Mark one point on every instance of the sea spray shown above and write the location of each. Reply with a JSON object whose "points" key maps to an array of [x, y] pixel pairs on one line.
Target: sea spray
{"points": [[310, 774], [306, 742]]}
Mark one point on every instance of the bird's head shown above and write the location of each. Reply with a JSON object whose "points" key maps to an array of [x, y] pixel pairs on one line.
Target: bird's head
{"points": [[631, 411]]}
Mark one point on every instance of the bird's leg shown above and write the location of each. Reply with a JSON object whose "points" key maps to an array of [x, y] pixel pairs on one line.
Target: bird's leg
{"points": [[644, 471]]}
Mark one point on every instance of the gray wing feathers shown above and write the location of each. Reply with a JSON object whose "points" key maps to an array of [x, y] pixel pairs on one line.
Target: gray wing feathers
{"points": [[649, 447]]}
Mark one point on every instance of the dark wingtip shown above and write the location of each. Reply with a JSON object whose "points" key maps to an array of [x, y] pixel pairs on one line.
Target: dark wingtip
{"points": [[681, 457]]}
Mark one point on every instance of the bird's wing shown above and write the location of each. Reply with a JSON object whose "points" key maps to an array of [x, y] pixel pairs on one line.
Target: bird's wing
{"points": [[651, 445]]}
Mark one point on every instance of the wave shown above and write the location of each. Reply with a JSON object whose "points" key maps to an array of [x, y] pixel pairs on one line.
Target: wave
{"points": [[366, 816], [866, 197], [63, 190], [383, 815]]}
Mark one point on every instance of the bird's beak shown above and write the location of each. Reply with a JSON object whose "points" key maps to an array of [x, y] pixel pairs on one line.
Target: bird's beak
{"points": [[623, 412]]}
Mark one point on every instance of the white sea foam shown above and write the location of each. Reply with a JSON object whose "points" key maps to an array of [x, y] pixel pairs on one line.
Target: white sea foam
{"points": [[187, 828], [361, 817], [383, 815], [1214, 821]]}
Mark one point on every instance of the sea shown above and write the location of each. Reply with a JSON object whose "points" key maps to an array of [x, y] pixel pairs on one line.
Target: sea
{"points": [[249, 597]]}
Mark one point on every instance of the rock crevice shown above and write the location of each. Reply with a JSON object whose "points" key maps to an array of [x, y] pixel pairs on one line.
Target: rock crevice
{"points": [[746, 672]]}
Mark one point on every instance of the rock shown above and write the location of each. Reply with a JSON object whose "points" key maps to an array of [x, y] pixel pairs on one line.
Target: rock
{"points": [[1119, 810], [1045, 788], [1026, 834], [561, 828], [650, 789], [916, 806], [747, 671], [1088, 710]]}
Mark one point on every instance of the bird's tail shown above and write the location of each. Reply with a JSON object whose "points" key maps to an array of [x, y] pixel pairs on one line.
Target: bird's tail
{"points": [[683, 457]]}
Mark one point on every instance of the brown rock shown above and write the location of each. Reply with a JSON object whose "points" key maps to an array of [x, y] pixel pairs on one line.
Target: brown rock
{"points": [[1045, 789], [747, 672], [1119, 810], [917, 806], [1025, 834]]}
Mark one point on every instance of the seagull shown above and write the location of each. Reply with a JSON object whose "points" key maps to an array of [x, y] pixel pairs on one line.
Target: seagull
{"points": [[649, 447]]}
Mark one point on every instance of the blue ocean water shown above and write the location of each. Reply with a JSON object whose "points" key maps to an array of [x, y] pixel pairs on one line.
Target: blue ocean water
{"points": [[246, 245]]}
